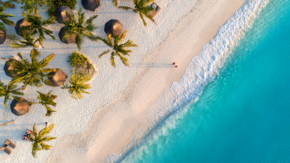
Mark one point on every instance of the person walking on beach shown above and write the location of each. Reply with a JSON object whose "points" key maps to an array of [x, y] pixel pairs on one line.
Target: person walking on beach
{"points": [[174, 64]]}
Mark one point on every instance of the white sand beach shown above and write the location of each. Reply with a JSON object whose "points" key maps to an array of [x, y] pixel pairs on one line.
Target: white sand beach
{"points": [[104, 124]]}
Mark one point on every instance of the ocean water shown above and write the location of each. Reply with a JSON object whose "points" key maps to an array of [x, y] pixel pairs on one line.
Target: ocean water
{"points": [[243, 114]]}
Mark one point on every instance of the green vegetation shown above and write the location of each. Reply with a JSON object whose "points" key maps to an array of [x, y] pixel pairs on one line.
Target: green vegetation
{"points": [[117, 48], [4, 17], [32, 73], [77, 86], [38, 139], [81, 27], [46, 100], [28, 40], [141, 7], [54, 4], [8, 91], [115, 2], [32, 6], [37, 26], [81, 65]]}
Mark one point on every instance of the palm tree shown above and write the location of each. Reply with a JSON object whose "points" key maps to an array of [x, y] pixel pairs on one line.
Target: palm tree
{"points": [[141, 7], [46, 100], [117, 48], [32, 73], [38, 139], [4, 17], [8, 91], [28, 40], [37, 26], [78, 86], [81, 28]]}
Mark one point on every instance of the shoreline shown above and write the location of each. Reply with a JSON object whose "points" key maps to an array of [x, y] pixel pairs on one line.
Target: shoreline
{"points": [[117, 124]]}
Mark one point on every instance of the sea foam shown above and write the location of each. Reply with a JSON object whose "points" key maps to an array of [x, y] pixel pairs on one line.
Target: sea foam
{"points": [[202, 70]]}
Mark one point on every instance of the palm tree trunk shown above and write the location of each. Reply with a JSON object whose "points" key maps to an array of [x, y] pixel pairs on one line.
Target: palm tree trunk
{"points": [[10, 6], [6, 58], [18, 89], [7, 123]]}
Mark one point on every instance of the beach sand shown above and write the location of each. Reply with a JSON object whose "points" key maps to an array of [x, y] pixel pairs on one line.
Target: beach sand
{"points": [[103, 125], [118, 124]]}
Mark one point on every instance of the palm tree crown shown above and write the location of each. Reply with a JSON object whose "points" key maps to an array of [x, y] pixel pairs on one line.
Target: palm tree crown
{"points": [[78, 86], [117, 48], [81, 27], [4, 17], [46, 100], [37, 26], [28, 40], [9, 91], [141, 7], [38, 139], [32, 73]]}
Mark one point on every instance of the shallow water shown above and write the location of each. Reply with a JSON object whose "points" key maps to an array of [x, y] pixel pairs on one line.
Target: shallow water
{"points": [[244, 114]]}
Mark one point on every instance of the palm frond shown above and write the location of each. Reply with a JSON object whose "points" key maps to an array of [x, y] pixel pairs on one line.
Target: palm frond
{"points": [[105, 52], [125, 8], [141, 16], [112, 59]]}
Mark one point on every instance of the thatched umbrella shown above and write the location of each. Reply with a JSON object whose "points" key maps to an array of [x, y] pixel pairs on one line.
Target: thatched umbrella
{"points": [[57, 78], [68, 40], [91, 4], [20, 23], [2, 36], [9, 69], [20, 108], [113, 27], [61, 12]]}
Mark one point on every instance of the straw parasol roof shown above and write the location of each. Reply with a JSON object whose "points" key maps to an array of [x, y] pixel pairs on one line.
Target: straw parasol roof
{"points": [[20, 23], [9, 69], [60, 14], [20, 108], [114, 27], [2, 36], [58, 77], [91, 4], [68, 40]]}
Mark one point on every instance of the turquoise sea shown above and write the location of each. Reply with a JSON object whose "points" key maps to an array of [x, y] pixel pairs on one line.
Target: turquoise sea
{"points": [[242, 116]]}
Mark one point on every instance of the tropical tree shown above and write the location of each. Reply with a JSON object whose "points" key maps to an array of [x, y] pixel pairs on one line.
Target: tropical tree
{"points": [[4, 17], [81, 27], [46, 100], [77, 86], [142, 7], [38, 139], [8, 91], [28, 40], [118, 49], [37, 26], [32, 73]]}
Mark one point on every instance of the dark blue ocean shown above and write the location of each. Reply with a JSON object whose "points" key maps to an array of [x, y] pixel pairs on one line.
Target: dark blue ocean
{"points": [[243, 116]]}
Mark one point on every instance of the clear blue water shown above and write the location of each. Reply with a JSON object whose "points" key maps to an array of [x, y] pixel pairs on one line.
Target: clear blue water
{"points": [[244, 114]]}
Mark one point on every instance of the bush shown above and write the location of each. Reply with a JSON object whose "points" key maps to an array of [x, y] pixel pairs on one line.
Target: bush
{"points": [[81, 65], [54, 4]]}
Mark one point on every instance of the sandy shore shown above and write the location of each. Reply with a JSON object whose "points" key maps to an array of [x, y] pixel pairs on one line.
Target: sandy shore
{"points": [[123, 121]]}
